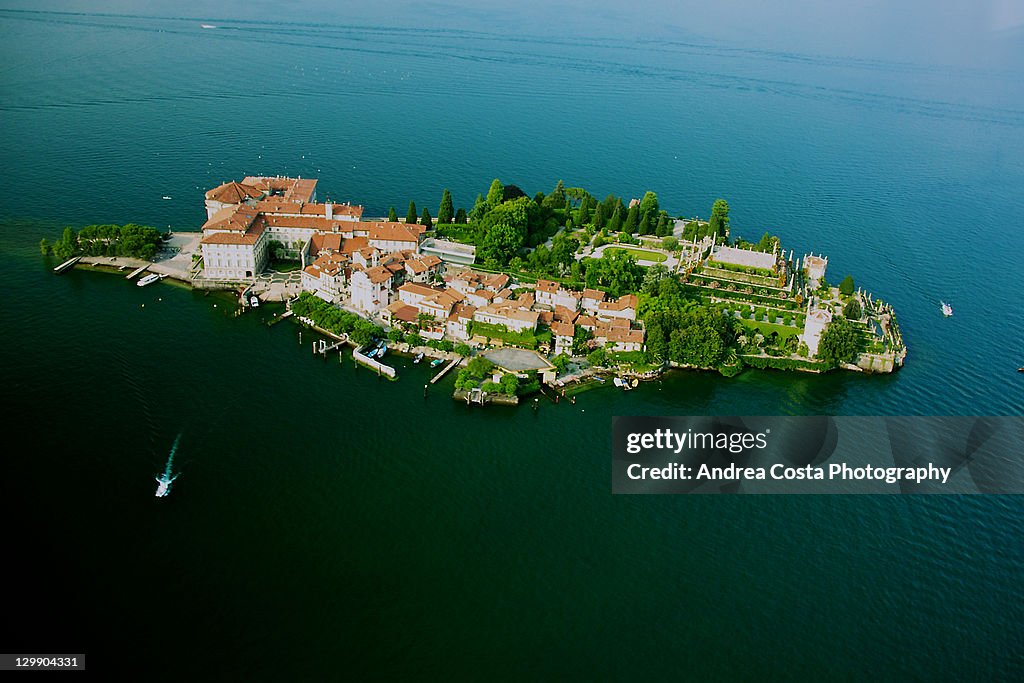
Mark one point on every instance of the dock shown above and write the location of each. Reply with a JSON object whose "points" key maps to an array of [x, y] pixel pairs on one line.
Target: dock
{"points": [[444, 370], [67, 264], [283, 316], [135, 272]]}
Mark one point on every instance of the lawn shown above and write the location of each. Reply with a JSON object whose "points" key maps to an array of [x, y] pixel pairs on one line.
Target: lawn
{"points": [[639, 254], [767, 328]]}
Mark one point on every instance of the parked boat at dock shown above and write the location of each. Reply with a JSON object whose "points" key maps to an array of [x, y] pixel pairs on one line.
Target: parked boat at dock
{"points": [[437, 361], [418, 357], [148, 280]]}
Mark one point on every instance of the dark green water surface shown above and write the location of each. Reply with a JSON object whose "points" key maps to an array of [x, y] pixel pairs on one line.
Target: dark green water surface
{"points": [[327, 521]]}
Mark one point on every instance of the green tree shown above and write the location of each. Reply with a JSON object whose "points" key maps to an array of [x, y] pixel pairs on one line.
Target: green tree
{"points": [[395, 335], [460, 217], [839, 342], [718, 225], [496, 194], [632, 220], [645, 225], [583, 213], [509, 384], [67, 245], [597, 357], [852, 310], [615, 224], [44, 246], [670, 243], [503, 230], [425, 219], [446, 212], [599, 219], [663, 229], [847, 286], [392, 215], [413, 340], [410, 217], [561, 363], [556, 200], [463, 350], [479, 209]]}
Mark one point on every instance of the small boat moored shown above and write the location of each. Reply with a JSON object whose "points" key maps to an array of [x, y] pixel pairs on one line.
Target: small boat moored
{"points": [[254, 301], [437, 361], [947, 310], [418, 357], [148, 280]]}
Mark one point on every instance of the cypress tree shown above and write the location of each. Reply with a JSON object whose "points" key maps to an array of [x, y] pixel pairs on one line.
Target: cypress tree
{"points": [[632, 220], [663, 229], [615, 224], [392, 215], [447, 211], [425, 219], [460, 217], [583, 215], [718, 224], [410, 217], [496, 194], [599, 219], [645, 225]]}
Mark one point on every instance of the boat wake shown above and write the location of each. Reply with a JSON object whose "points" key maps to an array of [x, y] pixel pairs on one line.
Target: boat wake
{"points": [[164, 481]]}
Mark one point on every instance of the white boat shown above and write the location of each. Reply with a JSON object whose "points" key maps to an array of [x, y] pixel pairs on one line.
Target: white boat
{"points": [[437, 361], [207, 26], [148, 280], [371, 353], [947, 310], [164, 481], [254, 301], [166, 197], [418, 357], [383, 350]]}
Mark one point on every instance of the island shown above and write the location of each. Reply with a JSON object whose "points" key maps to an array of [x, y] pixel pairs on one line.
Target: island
{"points": [[525, 292]]}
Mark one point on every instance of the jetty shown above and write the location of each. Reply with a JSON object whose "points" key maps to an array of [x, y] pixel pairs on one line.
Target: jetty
{"points": [[131, 275], [70, 263], [283, 316], [445, 370]]}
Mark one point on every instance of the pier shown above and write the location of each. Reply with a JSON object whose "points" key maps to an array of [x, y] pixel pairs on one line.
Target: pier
{"points": [[67, 264], [444, 370], [131, 275]]}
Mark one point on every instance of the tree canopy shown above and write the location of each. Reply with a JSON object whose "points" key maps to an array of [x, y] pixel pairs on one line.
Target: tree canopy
{"points": [[718, 225], [410, 217], [446, 212], [839, 343]]}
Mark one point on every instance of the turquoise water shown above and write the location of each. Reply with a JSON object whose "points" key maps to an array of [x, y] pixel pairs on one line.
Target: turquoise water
{"points": [[326, 520]]}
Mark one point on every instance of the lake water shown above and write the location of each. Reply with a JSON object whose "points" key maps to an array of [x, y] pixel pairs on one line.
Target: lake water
{"points": [[327, 520]]}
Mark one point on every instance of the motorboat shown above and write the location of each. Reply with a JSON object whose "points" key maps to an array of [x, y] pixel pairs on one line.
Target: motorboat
{"points": [[254, 301], [148, 280], [164, 481], [418, 357], [437, 361], [166, 197], [382, 351], [947, 310]]}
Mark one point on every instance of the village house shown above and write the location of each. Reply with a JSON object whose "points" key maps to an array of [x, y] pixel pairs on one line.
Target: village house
{"points": [[370, 289], [591, 299], [509, 314], [457, 326], [624, 308], [325, 277], [563, 334], [551, 294]]}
